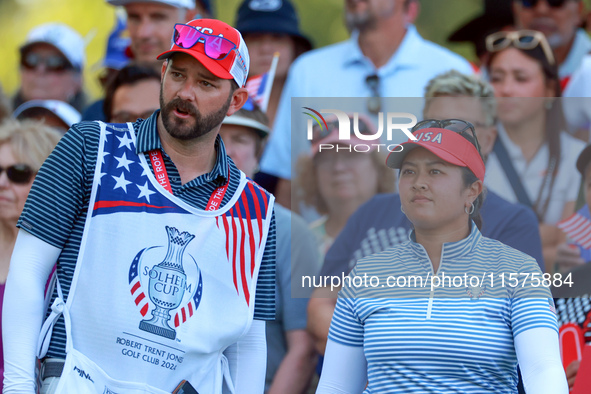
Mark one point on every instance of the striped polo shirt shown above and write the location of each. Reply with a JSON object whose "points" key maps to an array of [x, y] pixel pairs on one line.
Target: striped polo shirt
{"points": [[57, 205], [457, 338]]}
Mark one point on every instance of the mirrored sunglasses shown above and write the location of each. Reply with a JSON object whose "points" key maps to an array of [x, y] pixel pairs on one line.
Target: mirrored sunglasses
{"points": [[53, 63], [214, 47]]}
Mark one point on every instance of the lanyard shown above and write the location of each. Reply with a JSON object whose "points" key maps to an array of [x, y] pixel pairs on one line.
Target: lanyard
{"points": [[215, 200]]}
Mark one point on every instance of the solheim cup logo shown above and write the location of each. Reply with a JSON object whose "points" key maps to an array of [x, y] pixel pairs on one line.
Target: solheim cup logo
{"points": [[166, 284]]}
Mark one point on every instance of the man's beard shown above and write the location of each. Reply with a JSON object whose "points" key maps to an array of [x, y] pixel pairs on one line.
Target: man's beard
{"points": [[181, 128], [360, 22]]}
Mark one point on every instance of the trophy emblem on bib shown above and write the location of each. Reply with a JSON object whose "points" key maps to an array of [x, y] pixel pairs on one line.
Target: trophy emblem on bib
{"points": [[167, 284]]}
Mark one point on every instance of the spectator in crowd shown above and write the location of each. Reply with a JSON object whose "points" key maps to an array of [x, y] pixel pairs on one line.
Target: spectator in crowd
{"points": [[497, 15], [149, 23], [133, 94], [268, 29], [385, 57], [24, 146], [5, 107], [560, 21], [379, 224], [54, 113], [450, 339], [290, 351], [51, 64], [115, 59], [335, 182], [577, 250], [533, 161], [573, 302]]}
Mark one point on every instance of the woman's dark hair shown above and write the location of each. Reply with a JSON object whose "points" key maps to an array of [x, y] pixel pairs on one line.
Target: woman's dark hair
{"points": [[469, 178], [128, 75]]}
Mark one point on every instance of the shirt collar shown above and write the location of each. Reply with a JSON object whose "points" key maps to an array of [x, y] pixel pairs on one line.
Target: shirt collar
{"points": [[406, 55], [580, 48], [450, 250], [148, 139]]}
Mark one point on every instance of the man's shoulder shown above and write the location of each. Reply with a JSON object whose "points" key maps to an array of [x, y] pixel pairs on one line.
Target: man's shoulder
{"points": [[436, 54]]}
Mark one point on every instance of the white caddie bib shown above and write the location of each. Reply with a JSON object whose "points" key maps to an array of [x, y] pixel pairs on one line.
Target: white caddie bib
{"points": [[160, 289]]}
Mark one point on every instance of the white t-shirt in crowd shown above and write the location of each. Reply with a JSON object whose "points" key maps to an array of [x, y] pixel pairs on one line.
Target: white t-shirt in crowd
{"points": [[567, 182]]}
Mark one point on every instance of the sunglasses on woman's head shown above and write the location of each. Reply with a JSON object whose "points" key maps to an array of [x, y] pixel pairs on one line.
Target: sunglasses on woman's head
{"points": [[456, 125], [53, 63], [18, 173], [521, 39]]}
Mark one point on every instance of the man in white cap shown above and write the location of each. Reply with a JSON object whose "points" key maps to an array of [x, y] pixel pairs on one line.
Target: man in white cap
{"points": [[149, 23], [51, 65], [54, 113]]}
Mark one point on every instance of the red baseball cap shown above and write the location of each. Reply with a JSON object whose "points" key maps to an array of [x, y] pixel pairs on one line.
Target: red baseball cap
{"points": [[206, 33], [445, 144]]}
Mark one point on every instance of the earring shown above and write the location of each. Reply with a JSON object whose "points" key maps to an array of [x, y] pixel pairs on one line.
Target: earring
{"points": [[471, 209]]}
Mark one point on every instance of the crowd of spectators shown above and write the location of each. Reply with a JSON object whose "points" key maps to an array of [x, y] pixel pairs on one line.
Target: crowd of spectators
{"points": [[525, 96]]}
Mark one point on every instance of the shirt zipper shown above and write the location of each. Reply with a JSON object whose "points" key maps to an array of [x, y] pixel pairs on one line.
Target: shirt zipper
{"points": [[430, 305]]}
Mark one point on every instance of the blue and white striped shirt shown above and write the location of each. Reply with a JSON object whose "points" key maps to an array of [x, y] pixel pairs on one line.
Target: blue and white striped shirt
{"points": [[57, 205], [450, 339]]}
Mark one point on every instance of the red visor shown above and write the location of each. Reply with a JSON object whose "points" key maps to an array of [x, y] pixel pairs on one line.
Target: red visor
{"points": [[445, 144]]}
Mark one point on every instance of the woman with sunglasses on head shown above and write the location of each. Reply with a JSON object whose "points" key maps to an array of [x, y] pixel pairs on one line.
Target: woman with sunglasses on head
{"points": [[533, 161], [24, 146], [465, 337]]}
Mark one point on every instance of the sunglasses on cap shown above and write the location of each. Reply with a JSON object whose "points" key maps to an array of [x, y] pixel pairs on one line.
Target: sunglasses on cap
{"points": [[321, 133], [18, 173], [456, 125], [52, 63], [551, 3], [215, 47], [521, 39]]}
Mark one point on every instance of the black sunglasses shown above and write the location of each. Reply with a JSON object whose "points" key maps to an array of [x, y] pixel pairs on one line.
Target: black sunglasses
{"points": [[456, 125], [18, 173], [53, 63], [551, 3], [374, 103]]}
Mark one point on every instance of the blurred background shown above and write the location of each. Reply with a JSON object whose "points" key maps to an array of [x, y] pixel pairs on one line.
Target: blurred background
{"points": [[321, 20]]}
